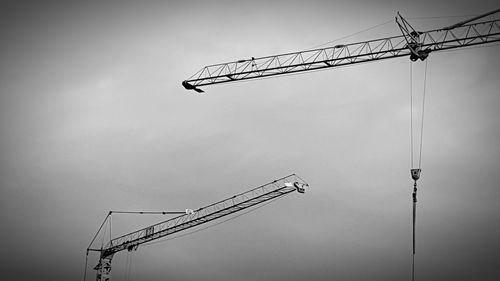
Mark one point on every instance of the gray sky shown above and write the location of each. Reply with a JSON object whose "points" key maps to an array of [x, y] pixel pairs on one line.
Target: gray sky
{"points": [[93, 118]]}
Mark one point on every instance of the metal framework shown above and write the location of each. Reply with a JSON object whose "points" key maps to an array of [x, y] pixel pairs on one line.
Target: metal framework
{"points": [[413, 44], [197, 217]]}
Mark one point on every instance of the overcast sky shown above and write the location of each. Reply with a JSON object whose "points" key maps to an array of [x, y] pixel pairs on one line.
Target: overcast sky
{"points": [[93, 118]]}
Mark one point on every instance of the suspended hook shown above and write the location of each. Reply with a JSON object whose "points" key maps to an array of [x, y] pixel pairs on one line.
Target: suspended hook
{"points": [[415, 175]]}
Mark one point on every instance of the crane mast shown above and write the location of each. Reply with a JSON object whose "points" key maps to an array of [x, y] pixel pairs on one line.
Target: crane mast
{"points": [[412, 43], [236, 203]]}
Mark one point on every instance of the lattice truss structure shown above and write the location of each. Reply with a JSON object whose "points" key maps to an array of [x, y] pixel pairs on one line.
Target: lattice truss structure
{"points": [[205, 214], [339, 55]]}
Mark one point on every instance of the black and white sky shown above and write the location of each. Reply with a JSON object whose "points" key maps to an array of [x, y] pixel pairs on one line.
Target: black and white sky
{"points": [[93, 118]]}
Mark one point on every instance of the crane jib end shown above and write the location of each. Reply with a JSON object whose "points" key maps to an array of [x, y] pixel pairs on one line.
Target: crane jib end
{"points": [[188, 86]]}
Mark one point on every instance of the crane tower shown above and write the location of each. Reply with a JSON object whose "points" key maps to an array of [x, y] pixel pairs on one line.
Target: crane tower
{"points": [[417, 45]]}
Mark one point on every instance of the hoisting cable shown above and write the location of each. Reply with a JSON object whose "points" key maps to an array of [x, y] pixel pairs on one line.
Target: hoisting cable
{"points": [[411, 114], [422, 121], [86, 263], [415, 171], [128, 265]]}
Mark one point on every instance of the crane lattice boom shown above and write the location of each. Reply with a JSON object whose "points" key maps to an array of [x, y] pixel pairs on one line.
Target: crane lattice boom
{"points": [[211, 212], [455, 36], [236, 203]]}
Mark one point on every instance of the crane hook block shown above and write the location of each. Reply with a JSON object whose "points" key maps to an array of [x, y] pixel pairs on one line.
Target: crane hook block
{"points": [[415, 174]]}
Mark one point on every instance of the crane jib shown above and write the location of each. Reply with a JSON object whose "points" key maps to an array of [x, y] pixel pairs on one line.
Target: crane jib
{"points": [[462, 35], [206, 214]]}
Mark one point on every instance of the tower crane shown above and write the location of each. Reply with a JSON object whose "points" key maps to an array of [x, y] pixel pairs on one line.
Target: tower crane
{"points": [[415, 44], [193, 218]]}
